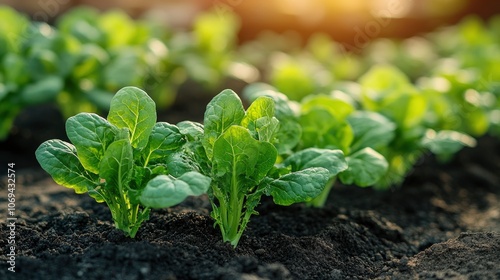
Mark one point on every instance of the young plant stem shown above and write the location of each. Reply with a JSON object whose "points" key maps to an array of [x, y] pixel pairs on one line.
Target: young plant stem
{"points": [[320, 200], [233, 216], [128, 220]]}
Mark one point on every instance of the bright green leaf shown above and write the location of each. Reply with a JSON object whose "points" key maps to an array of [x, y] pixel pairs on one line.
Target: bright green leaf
{"points": [[332, 160], [165, 190], [132, 108], [164, 139], [91, 135], [223, 111], [116, 165], [300, 186], [370, 130], [238, 156], [366, 167], [60, 160]]}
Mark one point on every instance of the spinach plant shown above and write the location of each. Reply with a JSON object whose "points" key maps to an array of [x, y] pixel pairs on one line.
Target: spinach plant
{"points": [[121, 160], [240, 158], [331, 122]]}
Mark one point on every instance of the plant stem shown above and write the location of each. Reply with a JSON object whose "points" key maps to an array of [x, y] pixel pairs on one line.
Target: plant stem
{"points": [[232, 232], [320, 200]]}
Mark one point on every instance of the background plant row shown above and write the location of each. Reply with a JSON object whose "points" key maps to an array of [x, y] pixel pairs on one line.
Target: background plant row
{"points": [[86, 56]]}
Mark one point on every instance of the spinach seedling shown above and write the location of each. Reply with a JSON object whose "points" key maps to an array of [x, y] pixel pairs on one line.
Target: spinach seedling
{"points": [[121, 160], [243, 163], [331, 122]]}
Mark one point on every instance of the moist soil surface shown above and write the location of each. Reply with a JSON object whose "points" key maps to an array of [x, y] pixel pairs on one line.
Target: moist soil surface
{"points": [[442, 223]]}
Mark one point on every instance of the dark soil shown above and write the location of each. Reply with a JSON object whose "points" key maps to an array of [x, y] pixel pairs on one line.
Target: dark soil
{"points": [[442, 223]]}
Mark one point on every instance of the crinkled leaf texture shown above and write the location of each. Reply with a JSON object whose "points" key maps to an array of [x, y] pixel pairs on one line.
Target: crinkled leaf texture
{"points": [[166, 190], [259, 119]]}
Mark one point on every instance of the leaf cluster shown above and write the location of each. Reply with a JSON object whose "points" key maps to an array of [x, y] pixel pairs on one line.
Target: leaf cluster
{"points": [[121, 160]]}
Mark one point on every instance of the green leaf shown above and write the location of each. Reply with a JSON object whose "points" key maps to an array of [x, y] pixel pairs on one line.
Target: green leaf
{"points": [[370, 129], [446, 142], [116, 165], [42, 91], [60, 160], [16, 66], [311, 170], [165, 190], [366, 167], [387, 90], [300, 186], [118, 27], [291, 78], [407, 110], [241, 160], [260, 120], [337, 107], [288, 136], [164, 140], [381, 78], [132, 108], [90, 62], [124, 69], [42, 61], [267, 128], [322, 130], [332, 160], [192, 130], [290, 131], [262, 107], [181, 162], [223, 111], [91, 135]]}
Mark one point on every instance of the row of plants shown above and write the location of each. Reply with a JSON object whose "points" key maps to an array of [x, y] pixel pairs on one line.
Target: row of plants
{"points": [[300, 134], [443, 85], [456, 68], [86, 56], [133, 163], [81, 60], [290, 151]]}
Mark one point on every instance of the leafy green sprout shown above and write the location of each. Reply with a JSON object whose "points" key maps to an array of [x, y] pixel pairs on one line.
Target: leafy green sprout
{"points": [[243, 163], [121, 160]]}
